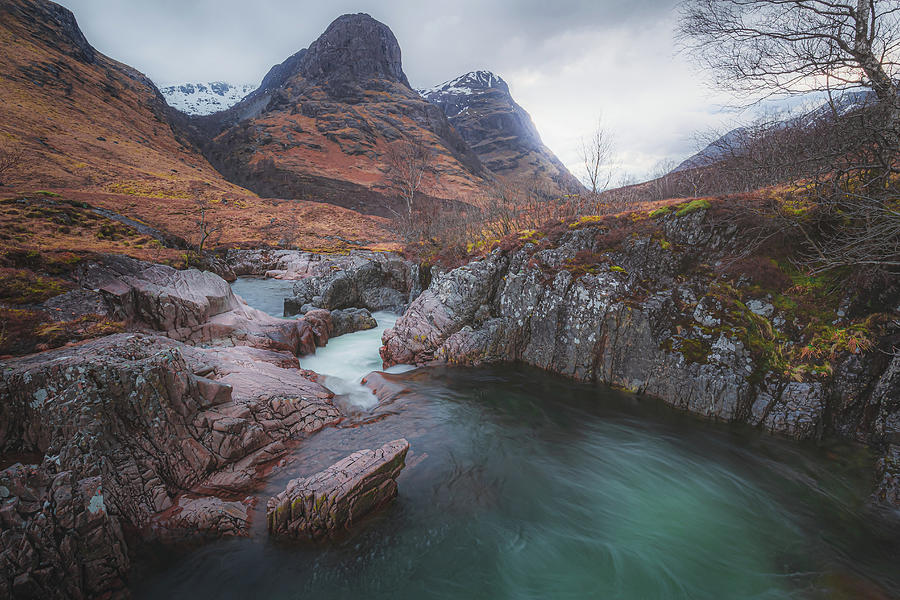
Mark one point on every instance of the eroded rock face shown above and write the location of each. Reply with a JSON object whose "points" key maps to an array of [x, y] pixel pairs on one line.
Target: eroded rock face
{"points": [[334, 499], [131, 410], [480, 106], [354, 48], [629, 322], [58, 538]]}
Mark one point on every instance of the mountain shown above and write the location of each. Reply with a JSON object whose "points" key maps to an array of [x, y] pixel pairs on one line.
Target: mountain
{"points": [[98, 132], [502, 134], [732, 141], [321, 122], [205, 98], [85, 120]]}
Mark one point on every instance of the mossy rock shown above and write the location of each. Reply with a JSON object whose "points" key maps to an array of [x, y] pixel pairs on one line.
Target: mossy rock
{"points": [[693, 206]]}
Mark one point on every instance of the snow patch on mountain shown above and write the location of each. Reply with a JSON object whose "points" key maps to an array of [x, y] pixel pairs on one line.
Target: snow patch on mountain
{"points": [[205, 98]]}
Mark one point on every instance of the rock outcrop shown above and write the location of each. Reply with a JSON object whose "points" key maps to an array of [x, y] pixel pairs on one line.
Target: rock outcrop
{"points": [[350, 320], [374, 281], [197, 307], [480, 106], [336, 498], [644, 317], [142, 419], [145, 432]]}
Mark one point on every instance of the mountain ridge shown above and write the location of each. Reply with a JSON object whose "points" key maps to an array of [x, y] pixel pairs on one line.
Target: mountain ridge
{"points": [[503, 135]]}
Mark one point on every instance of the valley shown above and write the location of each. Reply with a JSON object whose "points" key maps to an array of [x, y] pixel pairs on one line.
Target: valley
{"points": [[335, 335]]}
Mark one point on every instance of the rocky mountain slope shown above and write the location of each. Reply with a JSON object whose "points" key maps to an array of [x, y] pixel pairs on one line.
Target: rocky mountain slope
{"points": [[205, 98], [502, 134], [99, 133], [321, 122], [85, 120]]}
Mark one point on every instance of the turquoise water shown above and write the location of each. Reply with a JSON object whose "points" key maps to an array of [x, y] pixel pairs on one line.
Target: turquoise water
{"points": [[521, 484], [265, 294]]}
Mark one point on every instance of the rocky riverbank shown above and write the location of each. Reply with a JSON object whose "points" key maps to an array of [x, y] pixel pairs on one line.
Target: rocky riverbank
{"points": [[646, 303], [165, 432]]}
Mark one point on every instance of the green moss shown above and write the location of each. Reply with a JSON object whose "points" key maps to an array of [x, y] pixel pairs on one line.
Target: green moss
{"points": [[588, 220], [618, 269], [530, 235], [695, 351], [660, 212], [693, 206]]}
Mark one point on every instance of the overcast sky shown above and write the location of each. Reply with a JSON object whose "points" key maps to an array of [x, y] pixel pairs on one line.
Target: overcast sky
{"points": [[566, 61]]}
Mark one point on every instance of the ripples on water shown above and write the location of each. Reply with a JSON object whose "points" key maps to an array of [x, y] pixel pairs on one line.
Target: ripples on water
{"points": [[526, 485]]}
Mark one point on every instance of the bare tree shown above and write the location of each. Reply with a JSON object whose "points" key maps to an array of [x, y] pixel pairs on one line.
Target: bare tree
{"points": [[408, 162], [597, 157], [208, 228], [11, 161], [796, 46], [846, 160]]}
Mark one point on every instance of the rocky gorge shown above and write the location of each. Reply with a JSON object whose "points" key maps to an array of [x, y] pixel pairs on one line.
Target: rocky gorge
{"points": [[652, 314], [169, 431]]}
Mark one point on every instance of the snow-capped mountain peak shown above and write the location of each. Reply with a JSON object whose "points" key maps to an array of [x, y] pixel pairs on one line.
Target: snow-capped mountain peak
{"points": [[205, 98], [466, 85]]}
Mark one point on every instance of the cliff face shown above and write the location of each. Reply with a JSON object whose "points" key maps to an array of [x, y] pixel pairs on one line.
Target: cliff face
{"points": [[502, 134], [320, 123], [652, 314]]}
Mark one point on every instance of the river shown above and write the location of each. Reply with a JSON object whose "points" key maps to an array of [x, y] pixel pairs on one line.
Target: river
{"points": [[521, 484]]}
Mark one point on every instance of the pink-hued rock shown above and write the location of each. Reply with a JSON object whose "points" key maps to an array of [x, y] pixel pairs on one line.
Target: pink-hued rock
{"points": [[58, 538], [334, 499], [197, 307], [204, 516], [142, 418]]}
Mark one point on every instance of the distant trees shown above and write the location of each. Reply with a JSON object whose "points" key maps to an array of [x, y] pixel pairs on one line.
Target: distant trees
{"points": [[11, 162]]}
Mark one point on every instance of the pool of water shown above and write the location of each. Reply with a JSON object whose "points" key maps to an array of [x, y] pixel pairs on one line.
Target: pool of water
{"points": [[265, 294], [521, 484]]}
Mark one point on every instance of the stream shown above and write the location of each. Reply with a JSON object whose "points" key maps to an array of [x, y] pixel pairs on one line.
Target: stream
{"points": [[522, 484]]}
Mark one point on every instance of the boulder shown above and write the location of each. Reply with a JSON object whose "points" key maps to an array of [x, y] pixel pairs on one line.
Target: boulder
{"points": [[350, 320], [197, 307], [372, 280], [336, 498]]}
